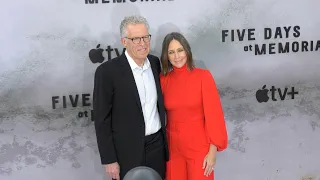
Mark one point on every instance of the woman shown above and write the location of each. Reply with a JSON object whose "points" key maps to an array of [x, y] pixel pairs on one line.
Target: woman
{"points": [[195, 122]]}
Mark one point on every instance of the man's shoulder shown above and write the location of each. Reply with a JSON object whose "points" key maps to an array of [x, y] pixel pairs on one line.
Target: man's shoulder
{"points": [[108, 67], [109, 64], [153, 57], [154, 60]]}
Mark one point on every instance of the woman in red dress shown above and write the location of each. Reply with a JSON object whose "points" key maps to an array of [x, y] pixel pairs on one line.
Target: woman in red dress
{"points": [[196, 127]]}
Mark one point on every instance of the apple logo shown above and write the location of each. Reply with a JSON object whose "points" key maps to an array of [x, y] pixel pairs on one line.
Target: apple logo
{"points": [[262, 95], [95, 55]]}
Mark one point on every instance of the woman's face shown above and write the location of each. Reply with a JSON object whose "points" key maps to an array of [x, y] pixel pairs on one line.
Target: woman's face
{"points": [[177, 55]]}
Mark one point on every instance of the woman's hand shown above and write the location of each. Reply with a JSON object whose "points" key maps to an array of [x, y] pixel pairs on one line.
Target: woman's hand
{"points": [[210, 160]]}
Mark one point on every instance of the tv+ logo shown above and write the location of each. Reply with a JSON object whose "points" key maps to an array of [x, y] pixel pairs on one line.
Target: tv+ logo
{"points": [[262, 94], [96, 55]]}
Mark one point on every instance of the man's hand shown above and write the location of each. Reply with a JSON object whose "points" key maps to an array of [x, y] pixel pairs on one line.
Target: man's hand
{"points": [[113, 170]]}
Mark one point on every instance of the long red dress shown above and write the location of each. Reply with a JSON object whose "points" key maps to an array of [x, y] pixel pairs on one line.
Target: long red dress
{"points": [[195, 120]]}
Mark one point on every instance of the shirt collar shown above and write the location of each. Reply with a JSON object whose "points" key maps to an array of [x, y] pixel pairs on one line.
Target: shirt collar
{"points": [[134, 65]]}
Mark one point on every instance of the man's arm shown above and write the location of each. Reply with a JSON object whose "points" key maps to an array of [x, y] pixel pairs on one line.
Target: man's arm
{"points": [[102, 108]]}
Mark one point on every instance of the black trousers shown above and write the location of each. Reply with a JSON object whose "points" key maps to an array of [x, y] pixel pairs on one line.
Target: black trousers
{"points": [[154, 154]]}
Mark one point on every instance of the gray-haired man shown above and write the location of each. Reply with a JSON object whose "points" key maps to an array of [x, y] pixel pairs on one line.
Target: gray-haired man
{"points": [[128, 105]]}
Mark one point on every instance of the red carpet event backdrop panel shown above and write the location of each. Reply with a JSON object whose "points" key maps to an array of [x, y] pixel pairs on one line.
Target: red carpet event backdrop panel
{"points": [[264, 56]]}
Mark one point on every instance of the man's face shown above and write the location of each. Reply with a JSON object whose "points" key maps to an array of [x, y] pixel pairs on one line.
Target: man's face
{"points": [[137, 41]]}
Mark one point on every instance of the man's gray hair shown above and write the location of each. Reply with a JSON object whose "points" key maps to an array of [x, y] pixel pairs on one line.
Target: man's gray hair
{"points": [[135, 19]]}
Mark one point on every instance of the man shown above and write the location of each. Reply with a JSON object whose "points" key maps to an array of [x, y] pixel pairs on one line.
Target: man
{"points": [[128, 105]]}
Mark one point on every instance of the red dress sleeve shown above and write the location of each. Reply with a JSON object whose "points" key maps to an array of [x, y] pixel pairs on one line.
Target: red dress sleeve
{"points": [[214, 117]]}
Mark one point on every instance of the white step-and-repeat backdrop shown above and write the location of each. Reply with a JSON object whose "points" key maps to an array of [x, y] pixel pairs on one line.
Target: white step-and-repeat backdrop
{"points": [[264, 56]]}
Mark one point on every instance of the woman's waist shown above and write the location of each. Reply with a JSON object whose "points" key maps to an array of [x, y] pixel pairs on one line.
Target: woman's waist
{"points": [[186, 124], [183, 118]]}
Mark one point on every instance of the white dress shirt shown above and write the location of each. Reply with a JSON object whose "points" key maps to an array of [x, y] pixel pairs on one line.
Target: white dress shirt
{"points": [[148, 94]]}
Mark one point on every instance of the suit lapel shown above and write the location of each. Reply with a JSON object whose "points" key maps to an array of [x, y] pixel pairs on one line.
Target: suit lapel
{"points": [[155, 75], [129, 78], [156, 72]]}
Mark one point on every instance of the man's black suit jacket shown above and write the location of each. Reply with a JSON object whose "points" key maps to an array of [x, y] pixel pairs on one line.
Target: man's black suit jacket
{"points": [[118, 116]]}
